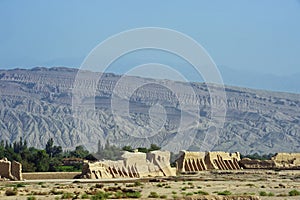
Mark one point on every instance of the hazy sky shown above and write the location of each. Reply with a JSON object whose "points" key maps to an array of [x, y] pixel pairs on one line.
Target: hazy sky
{"points": [[261, 36]]}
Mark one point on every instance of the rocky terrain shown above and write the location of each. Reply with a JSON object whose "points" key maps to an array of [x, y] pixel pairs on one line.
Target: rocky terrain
{"points": [[43, 103]]}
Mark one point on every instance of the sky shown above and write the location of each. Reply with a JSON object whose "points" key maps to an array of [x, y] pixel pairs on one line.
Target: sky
{"points": [[248, 38]]}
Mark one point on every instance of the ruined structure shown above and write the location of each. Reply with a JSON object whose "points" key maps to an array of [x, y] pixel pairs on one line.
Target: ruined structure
{"points": [[155, 163], [200, 161], [279, 161], [287, 160], [248, 163], [10, 170]]}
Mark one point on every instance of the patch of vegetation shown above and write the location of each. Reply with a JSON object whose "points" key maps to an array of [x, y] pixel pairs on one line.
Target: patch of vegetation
{"points": [[137, 184], [263, 193], [20, 185], [118, 195], [135, 194], [31, 198], [100, 195], [225, 192], [189, 194], [202, 192], [294, 193], [153, 195], [161, 184], [163, 196], [99, 185], [85, 196]]}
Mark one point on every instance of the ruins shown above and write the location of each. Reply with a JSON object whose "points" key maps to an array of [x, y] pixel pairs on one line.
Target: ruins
{"points": [[10, 170], [200, 161], [132, 165], [278, 161]]}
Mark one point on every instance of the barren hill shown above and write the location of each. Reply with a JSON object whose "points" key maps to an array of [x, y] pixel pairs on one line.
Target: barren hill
{"points": [[36, 104]]}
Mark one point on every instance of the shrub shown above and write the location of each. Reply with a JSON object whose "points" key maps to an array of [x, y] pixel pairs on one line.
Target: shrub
{"points": [[202, 192], [270, 194], [98, 185], [225, 192], [11, 192], [133, 194], [163, 196], [160, 185], [294, 193], [100, 195], [85, 196], [67, 195], [20, 185], [118, 195], [31, 198], [137, 183], [153, 195], [263, 193]]}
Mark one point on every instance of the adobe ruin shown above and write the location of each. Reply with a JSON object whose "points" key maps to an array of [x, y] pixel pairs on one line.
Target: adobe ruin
{"points": [[132, 165], [200, 161], [10, 170], [278, 161]]}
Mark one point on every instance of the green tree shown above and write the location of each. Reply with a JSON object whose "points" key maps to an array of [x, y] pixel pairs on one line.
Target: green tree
{"points": [[79, 152], [154, 147], [127, 148]]}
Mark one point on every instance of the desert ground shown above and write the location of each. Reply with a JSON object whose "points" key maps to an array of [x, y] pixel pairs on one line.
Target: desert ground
{"points": [[265, 184]]}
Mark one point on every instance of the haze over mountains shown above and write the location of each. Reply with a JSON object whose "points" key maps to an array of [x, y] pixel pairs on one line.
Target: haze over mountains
{"points": [[36, 104]]}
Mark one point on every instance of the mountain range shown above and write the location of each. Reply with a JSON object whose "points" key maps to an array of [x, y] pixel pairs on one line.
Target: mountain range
{"points": [[87, 108]]}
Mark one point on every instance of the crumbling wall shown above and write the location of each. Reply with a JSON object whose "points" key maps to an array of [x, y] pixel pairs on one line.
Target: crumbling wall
{"points": [[200, 161], [287, 160], [132, 165], [191, 161], [161, 159], [222, 160], [12, 171], [16, 170], [257, 164], [279, 161], [5, 169]]}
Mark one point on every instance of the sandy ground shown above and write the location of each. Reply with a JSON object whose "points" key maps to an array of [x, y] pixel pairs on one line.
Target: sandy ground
{"points": [[244, 182]]}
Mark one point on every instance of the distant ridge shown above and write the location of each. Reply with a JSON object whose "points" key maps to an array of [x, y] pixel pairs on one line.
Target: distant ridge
{"points": [[36, 104]]}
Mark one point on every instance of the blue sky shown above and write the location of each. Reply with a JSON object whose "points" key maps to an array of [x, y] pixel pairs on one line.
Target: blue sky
{"points": [[261, 37]]}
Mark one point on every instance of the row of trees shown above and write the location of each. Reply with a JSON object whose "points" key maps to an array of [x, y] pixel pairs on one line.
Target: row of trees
{"points": [[257, 156], [41, 160], [51, 157]]}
